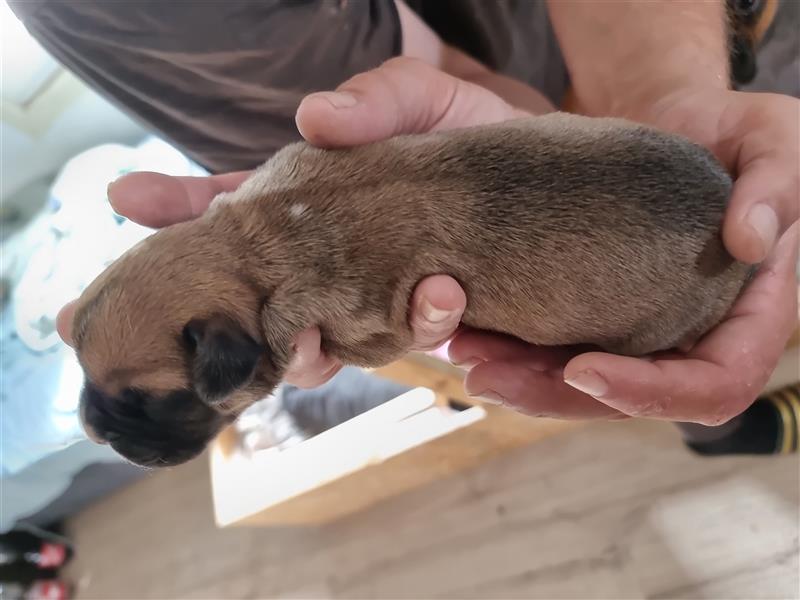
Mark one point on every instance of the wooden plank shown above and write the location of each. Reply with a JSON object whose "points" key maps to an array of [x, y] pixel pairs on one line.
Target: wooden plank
{"points": [[613, 510]]}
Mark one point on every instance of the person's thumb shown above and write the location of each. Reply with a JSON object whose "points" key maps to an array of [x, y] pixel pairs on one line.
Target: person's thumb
{"points": [[402, 96]]}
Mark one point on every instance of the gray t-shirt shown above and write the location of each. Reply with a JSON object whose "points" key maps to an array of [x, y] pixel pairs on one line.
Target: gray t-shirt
{"points": [[222, 79]]}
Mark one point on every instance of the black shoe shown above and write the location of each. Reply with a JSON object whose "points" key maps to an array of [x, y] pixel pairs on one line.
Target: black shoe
{"points": [[770, 426]]}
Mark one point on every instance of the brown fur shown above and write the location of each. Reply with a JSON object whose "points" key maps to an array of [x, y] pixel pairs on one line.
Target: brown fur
{"points": [[561, 230]]}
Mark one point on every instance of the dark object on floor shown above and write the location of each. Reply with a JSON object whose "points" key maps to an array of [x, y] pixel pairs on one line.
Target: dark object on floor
{"points": [[50, 589], [770, 426], [350, 393], [30, 560], [29, 554]]}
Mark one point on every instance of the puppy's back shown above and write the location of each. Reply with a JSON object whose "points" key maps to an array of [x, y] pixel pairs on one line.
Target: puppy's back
{"points": [[561, 229], [600, 231]]}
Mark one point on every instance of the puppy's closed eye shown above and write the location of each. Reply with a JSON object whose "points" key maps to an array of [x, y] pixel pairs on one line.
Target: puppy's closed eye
{"points": [[223, 356]]}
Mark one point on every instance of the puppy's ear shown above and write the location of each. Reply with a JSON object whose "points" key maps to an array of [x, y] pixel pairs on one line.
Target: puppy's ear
{"points": [[223, 359]]}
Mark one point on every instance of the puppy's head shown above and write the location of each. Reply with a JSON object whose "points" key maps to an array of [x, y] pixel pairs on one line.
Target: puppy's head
{"points": [[169, 340]]}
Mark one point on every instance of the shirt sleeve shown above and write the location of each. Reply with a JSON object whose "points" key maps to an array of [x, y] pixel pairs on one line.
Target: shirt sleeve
{"points": [[220, 80]]}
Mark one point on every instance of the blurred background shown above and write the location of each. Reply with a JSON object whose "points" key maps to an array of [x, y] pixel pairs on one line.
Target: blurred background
{"points": [[531, 509]]}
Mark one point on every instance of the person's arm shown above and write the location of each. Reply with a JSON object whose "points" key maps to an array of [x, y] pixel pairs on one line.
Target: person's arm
{"points": [[421, 42], [625, 55], [666, 64]]}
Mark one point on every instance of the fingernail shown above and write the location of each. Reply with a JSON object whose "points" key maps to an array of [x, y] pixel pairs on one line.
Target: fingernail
{"points": [[339, 99], [588, 382], [764, 222], [433, 314], [489, 397]]}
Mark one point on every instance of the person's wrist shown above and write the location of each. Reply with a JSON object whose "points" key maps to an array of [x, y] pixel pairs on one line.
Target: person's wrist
{"points": [[526, 99], [622, 56], [647, 100], [633, 92]]}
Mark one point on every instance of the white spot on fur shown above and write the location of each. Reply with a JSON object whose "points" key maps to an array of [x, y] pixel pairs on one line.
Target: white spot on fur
{"points": [[297, 210]]}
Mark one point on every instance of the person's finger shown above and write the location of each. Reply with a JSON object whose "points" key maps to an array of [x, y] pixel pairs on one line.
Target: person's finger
{"points": [[722, 375], [471, 347], [157, 200], [402, 96], [310, 366], [533, 392], [64, 321], [436, 308], [765, 202], [766, 195]]}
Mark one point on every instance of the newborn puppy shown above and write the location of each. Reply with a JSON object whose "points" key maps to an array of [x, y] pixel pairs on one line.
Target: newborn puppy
{"points": [[561, 229]]}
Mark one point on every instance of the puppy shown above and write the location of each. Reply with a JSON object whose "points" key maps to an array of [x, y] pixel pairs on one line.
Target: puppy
{"points": [[561, 229]]}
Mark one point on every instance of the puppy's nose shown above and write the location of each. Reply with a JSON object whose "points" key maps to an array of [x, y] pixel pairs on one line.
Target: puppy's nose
{"points": [[64, 321]]}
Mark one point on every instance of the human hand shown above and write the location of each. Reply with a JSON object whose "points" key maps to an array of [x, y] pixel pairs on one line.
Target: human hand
{"points": [[755, 136], [711, 383]]}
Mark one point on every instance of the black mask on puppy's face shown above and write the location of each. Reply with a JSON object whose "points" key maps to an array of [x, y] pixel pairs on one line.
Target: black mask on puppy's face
{"points": [[170, 428], [149, 430]]}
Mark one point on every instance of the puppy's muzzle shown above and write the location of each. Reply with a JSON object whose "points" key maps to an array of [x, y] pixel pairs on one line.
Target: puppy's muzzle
{"points": [[149, 430]]}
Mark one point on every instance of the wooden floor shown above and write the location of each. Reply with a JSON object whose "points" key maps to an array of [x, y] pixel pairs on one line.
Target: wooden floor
{"points": [[618, 510]]}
